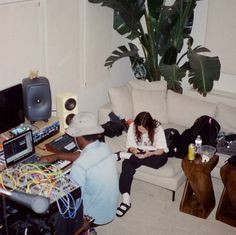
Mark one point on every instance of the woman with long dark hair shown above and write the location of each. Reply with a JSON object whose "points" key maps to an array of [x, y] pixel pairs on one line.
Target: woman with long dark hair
{"points": [[147, 144]]}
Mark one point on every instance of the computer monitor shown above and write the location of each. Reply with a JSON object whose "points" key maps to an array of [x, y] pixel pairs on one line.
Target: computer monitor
{"points": [[11, 108]]}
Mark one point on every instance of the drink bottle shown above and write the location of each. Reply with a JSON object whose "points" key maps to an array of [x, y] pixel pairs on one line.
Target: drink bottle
{"points": [[191, 152], [198, 143]]}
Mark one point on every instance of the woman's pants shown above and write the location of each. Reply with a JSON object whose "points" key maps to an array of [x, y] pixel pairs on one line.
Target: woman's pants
{"points": [[130, 165]]}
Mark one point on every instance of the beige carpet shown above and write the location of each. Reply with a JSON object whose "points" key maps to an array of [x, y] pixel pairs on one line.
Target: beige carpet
{"points": [[153, 213]]}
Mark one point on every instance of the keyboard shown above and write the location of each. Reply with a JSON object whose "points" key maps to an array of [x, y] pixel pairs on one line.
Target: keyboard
{"points": [[31, 160], [64, 143], [61, 165]]}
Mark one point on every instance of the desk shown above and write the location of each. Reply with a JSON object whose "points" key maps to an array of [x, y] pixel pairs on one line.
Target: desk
{"points": [[35, 180], [41, 148], [54, 185], [226, 211], [198, 198]]}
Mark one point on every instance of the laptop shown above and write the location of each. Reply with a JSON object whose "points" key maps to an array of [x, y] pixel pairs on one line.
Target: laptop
{"points": [[20, 149]]}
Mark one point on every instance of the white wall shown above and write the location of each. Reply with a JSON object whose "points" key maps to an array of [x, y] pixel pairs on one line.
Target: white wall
{"points": [[68, 42], [98, 46], [221, 35], [20, 47], [227, 82]]}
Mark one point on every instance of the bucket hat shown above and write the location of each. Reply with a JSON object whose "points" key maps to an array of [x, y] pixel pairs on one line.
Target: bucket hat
{"points": [[84, 123]]}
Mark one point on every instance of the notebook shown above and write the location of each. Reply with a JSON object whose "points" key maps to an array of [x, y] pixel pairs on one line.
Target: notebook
{"points": [[20, 148]]}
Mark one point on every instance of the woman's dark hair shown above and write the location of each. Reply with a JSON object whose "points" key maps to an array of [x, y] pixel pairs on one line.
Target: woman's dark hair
{"points": [[145, 119]]}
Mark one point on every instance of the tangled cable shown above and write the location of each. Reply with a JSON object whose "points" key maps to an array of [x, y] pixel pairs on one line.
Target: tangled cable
{"points": [[41, 180]]}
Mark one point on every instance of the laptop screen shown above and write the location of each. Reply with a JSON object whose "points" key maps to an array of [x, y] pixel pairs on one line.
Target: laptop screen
{"points": [[18, 148]]}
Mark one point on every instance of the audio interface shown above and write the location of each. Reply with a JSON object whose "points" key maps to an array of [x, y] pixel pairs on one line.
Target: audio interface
{"points": [[43, 130]]}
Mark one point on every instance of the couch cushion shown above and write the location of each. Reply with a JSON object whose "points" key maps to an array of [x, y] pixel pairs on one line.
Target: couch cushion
{"points": [[151, 101], [146, 85], [226, 116], [173, 176], [184, 110], [121, 101], [170, 169], [117, 143]]}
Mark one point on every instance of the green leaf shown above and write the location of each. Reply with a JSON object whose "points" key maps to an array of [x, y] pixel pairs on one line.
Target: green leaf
{"points": [[170, 56], [201, 49], [204, 71], [131, 11], [153, 7], [181, 15], [173, 75], [121, 53], [161, 31], [122, 28]]}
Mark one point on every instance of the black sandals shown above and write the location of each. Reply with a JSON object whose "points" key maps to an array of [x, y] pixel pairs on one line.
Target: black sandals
{"points": [[123, 211]]}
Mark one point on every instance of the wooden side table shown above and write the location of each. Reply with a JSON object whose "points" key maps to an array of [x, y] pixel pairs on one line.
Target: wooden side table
{"points": [[198, 198], [226, 211]]}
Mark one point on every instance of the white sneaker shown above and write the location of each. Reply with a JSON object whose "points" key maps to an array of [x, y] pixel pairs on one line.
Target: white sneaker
{"points": [[125, 155], [122, 155]]}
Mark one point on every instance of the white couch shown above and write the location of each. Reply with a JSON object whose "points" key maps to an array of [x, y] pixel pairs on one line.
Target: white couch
{"points": [[173, 111]]}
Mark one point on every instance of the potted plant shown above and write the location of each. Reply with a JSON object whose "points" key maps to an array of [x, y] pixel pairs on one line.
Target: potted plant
{"points": [[161, 31]]}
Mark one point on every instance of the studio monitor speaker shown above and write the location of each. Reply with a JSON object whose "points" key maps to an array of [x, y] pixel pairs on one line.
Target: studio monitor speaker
{"points": [[67, 107], [37, 98]]}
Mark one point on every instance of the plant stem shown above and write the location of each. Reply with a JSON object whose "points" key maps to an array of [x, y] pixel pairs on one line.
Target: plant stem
{"points": [[181, 57], [152, 59]]}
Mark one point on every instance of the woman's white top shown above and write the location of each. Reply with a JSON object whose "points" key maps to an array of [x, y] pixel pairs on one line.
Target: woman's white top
{"points": [[145, 144]]}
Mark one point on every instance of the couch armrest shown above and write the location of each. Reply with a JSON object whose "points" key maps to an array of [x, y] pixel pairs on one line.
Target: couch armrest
{"points": [[103, 112]]}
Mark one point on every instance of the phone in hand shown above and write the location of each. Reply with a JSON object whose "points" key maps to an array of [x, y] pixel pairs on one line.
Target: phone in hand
{"points": [[141, 151]]}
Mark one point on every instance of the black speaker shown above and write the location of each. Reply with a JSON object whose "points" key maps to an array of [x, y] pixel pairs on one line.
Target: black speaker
{"points": [[37, 99], [67, 107]]}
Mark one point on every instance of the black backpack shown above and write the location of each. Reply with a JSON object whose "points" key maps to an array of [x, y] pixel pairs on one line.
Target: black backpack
{"points": [[112, 129], [205, 126], [115, 126]]}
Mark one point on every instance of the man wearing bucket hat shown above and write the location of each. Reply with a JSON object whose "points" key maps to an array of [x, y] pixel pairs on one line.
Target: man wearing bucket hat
{"points": [[94, 168]]}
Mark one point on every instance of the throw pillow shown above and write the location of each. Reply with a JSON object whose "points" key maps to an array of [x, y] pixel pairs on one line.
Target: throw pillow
{"points": [[225, 115], [151, 101], [146, 85], [121, 102], [184, 110]]}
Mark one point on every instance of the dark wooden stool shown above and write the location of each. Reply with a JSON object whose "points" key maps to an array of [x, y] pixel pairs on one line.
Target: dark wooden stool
{"points": [[83, 230], [198, 198], [226, 211]]}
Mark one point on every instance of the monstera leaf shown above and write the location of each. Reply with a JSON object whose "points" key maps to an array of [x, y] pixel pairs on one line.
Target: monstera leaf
{"points": [[121, 53], [131, 11], [204, 70]]}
